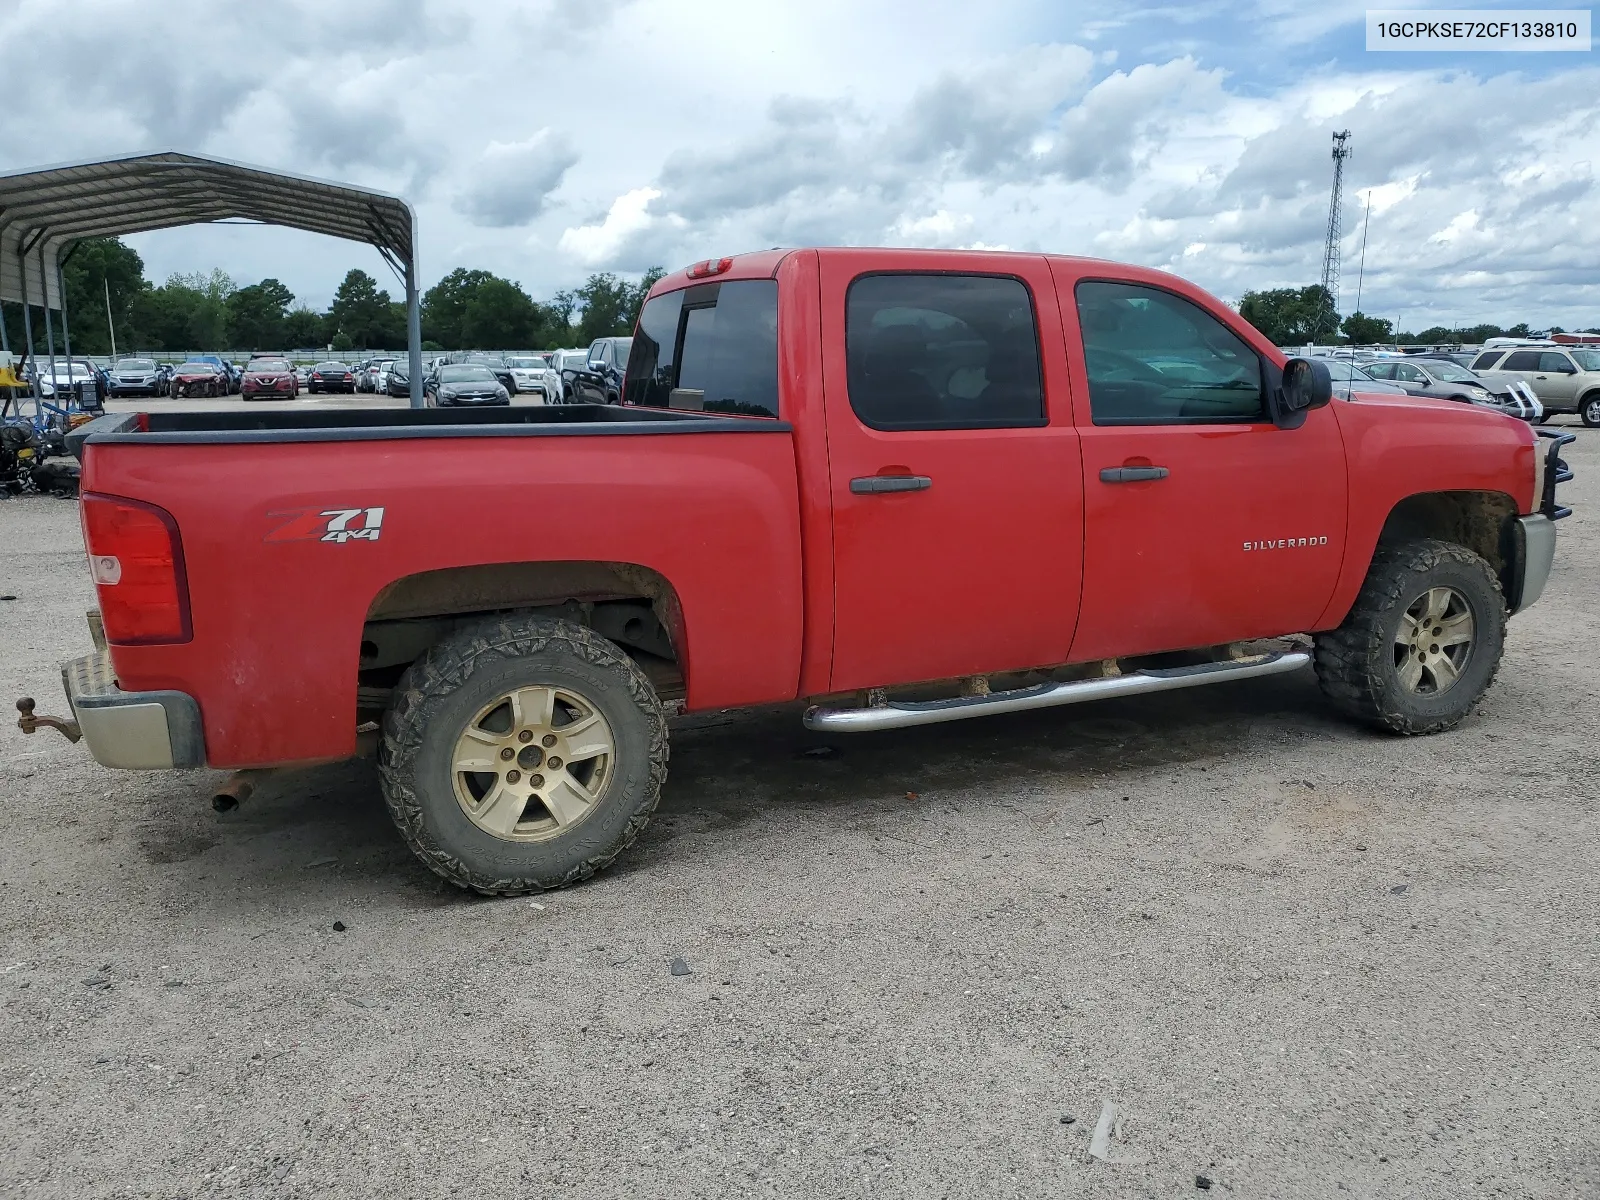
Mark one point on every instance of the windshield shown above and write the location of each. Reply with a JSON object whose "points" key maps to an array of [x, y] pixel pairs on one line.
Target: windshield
{"points": [[1588, 360], [466, 375], [269, 364], [528, 364], [136, 364], [1449, 371]]}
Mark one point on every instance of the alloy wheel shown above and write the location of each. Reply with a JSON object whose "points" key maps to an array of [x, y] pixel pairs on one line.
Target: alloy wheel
{"points": [[533, 763], [1434, 641]]}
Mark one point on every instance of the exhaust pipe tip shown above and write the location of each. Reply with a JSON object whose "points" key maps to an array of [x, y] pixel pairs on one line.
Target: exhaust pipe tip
{"points": [[238, 789]]}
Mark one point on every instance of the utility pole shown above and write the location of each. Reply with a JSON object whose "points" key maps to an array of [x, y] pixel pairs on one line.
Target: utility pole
{"points": [[1330, 249], [1361, 271], [109, 325]]}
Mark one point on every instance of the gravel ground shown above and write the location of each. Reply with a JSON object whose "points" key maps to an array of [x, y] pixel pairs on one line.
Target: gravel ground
{"points": [[1301, 958]]}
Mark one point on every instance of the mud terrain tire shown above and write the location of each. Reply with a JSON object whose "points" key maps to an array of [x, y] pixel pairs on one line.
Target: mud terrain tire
{"points": [[1360, 665], [452, 686]]}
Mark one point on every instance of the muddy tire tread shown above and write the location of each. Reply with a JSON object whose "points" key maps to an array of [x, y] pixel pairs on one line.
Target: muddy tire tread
{"points": [[446, 666], [1348, 659]]}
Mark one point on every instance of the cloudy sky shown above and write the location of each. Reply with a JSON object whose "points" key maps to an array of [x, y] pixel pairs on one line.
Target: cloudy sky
{"points": [[547, 139]]}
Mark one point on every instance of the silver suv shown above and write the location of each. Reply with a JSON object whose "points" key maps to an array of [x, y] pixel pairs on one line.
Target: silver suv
{"points": [[1565, 378]]}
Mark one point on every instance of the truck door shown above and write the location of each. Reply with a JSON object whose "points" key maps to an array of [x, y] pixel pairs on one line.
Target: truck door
{"points": [[1204, 522], [953, 468]]}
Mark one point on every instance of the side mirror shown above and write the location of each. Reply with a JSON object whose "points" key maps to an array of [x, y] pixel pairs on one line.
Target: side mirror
{"points": [[1306, 384]]}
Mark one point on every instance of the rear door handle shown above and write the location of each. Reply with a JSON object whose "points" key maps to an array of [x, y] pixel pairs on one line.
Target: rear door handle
{"points": [[872, 485], [1131, 474]]}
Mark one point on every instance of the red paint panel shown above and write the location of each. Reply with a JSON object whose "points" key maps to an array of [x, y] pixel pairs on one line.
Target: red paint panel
{"points": [[981, 572], [277, 625], [1403, 446]]}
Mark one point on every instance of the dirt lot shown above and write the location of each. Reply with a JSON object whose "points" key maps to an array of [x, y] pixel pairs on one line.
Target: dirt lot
{"points": [[1305, 960]]}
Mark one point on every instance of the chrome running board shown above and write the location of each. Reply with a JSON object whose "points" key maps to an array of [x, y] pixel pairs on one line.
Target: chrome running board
{"points": [[900, 715]]}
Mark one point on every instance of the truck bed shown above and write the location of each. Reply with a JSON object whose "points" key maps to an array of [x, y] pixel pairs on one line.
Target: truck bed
{"points": [[308, 424]]}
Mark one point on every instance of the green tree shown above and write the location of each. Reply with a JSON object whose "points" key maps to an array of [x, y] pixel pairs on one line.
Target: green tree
{"points": [[1291, 316], [96, 267], [444, 306], [363, 315], [500, 315], [1362, 330], [257, 316], [611, 305], [304, 328]]}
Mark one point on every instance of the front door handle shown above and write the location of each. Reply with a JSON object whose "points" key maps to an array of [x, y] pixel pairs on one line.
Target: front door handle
{"points": [[1131, 474], [872, 485]]}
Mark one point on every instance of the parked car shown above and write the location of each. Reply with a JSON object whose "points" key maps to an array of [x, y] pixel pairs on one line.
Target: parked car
{"points": [[462, 384], [369, 376], [1075, 499], [1566, 379], [70, 376], [532, 373], [1445, 379], [135, 377], [332, 377], [1349, 376], [563, 361], [599, 379], [496, 364], [199, 377], [269, 379], [397, 381], [303, 373]]}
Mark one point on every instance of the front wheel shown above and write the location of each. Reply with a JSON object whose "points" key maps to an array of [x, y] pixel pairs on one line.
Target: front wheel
{"points": [[522, 754], [1589, 410], [1422, 643]]}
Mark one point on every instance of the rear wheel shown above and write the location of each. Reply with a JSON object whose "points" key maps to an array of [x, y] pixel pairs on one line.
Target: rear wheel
{"points": [[1421, 644], [1589, 410], [522, 754]]}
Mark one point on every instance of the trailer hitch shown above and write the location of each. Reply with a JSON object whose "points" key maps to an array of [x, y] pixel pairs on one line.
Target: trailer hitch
{"points": [[29, 723]]}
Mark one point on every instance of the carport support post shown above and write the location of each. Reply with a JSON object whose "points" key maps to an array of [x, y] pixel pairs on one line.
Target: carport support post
{"points": [[49, 328], [61, 293], [27, 333], [413, 324]]}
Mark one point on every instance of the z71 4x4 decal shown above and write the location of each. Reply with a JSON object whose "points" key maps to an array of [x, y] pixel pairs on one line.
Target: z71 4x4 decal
{"points": [[338, 525]]}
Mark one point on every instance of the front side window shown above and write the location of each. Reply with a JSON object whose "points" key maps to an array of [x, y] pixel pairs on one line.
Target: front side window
{"points": [[709, 348], [1521, 360], [1154, 358], [1380, 370], [1406, 373], [1555, 363], [943, 352]]}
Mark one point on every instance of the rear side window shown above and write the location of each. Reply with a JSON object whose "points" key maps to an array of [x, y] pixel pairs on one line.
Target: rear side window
{"points": [[1484, 361], [943, 352], [1154, 358], [711, 348], [1522, 360]]}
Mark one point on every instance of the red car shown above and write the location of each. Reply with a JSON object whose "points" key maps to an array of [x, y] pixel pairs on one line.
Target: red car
{"points": [[331, 377], [198, 379], [269, 379], [910, 486]]}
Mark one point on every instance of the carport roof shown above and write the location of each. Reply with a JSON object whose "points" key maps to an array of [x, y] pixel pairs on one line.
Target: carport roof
{"points": [[51, 207]]}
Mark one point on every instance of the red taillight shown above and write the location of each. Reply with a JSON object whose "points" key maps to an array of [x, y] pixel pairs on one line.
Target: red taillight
{"points": [[136, 558], [348, 378], [711, 266]]}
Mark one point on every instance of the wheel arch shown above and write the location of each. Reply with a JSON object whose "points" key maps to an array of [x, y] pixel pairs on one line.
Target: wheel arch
{"points": [[632, 605], [1485, 522]]}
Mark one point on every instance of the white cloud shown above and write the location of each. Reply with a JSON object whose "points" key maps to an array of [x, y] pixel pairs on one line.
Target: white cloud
{"points": [[628, 218]]}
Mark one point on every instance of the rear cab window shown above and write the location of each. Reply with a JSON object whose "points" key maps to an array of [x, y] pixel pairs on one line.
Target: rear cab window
{"points": [[709, 348]]}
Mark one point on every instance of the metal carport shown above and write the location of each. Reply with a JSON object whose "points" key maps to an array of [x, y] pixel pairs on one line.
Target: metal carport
{"points": [[44, 212]]}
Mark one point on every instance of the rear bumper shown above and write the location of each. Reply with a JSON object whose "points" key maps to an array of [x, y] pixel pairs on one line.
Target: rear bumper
{"points": [[1537, 537], [141, 731]]}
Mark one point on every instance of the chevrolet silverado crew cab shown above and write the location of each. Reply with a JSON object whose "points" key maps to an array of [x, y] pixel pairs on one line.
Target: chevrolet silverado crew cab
{"points": [[908, 486]]}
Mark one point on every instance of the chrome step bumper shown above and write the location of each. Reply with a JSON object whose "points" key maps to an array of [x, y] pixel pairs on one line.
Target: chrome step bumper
{"points": [[902, 714]]}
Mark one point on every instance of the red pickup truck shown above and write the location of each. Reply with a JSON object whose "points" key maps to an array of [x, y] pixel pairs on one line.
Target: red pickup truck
{"points": [[908, 485]]}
